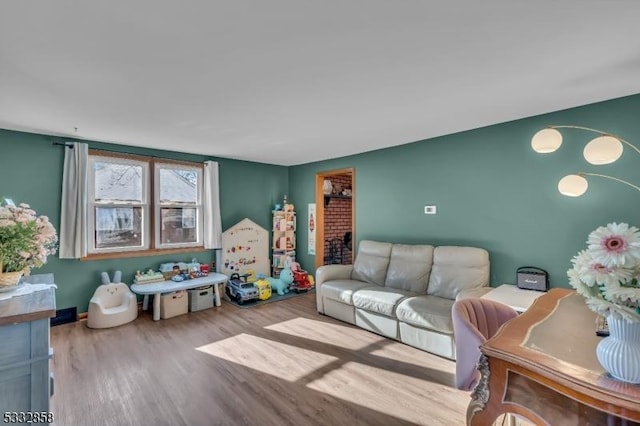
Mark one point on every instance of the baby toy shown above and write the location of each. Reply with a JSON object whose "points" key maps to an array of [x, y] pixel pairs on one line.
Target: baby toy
{"points": [[264, 289], [239, 289], [250, 275], [144, 277], [281, 285], [302, 280]]}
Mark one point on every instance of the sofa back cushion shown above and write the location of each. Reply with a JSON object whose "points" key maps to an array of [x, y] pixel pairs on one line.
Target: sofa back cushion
{"points": [[409, 267], [371, 262], [458, 268]]}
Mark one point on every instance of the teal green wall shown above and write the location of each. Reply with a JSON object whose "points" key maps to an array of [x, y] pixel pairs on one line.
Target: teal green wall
{"points": [[31, 172], [491, 190]]}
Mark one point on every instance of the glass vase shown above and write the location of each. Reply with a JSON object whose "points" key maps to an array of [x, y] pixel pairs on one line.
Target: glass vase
{"points": [[619, 353]]}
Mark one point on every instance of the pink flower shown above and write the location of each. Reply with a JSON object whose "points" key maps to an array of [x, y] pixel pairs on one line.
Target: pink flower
{"points": [[25, 239], [615, 244]]}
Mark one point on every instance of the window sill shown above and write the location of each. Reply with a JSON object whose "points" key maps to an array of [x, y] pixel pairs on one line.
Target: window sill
{"points": [[141, 253]]}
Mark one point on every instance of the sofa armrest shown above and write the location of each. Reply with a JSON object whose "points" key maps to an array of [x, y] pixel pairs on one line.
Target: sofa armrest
{"points": [[473, 292], [328, 273], [333, 272]]}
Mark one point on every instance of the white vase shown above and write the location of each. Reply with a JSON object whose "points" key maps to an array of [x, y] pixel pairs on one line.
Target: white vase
{"points": [[327, 187], [619, 353]]}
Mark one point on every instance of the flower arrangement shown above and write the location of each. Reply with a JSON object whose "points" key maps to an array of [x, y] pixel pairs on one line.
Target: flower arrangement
{"points": [[607, 273], [25, 239]]}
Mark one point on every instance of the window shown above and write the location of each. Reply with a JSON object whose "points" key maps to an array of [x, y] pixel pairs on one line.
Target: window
{"points": [[179, 205], [139, 204]]}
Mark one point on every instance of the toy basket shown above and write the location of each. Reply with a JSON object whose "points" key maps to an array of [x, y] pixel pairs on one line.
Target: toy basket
{"points": [[200, 298], [174, 304]]}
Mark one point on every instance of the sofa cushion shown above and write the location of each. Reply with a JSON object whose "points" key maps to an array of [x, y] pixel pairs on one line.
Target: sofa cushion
{"points": [[409, 267], [371, 262], [341, 290], [381, 300], [458, 268], [429, 312]]}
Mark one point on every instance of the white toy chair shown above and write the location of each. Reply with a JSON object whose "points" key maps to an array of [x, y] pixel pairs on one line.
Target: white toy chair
{"points": [[112, 304]]}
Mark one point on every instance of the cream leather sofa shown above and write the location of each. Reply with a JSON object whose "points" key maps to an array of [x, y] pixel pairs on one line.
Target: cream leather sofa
{"points": [[404, 292]]}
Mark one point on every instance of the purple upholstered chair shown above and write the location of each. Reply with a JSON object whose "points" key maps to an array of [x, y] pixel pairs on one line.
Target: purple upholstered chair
{"points": [[474, 322]]}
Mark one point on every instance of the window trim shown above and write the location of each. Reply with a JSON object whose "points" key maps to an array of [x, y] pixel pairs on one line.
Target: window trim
{"points": [[150, 216]]}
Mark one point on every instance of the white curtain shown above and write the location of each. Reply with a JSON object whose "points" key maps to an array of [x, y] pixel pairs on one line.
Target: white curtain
{"points": [[211, 201], [73, 222]]}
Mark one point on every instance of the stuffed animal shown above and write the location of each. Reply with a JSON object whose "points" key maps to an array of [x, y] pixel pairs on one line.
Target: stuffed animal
{"points": [[281, 285]]}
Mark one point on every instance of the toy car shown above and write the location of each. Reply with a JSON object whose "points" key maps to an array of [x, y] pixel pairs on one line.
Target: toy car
{"points": [[302, 281], [240, 290]]}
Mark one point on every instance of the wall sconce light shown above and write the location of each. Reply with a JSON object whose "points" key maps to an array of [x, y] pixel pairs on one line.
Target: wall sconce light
{"points": [[576, 185], [604, 149]]}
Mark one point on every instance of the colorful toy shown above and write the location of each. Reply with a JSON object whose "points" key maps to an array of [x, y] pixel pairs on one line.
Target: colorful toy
{"points": [[302, 280], [250, 275], [264, 289], [281, 284], [150, 276]]}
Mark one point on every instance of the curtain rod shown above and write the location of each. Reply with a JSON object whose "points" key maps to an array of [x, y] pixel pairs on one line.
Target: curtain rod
{"points": [[130, 153], [63, 144]]}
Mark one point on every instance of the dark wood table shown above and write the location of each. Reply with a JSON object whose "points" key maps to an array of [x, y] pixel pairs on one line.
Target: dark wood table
{"points": [[542, 366]]}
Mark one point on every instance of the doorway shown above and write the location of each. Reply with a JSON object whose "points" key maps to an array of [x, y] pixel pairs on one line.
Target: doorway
{"points": [[335, 211]]}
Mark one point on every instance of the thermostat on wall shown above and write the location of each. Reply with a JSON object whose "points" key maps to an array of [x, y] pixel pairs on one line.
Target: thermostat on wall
{"points": [[429, 209]]}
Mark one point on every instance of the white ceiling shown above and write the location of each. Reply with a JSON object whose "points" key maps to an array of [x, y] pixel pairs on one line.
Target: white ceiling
{"points": [[293, 81]]}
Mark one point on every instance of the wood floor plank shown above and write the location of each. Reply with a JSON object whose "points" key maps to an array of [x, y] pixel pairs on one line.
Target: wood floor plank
{"points": [[276, 364]]}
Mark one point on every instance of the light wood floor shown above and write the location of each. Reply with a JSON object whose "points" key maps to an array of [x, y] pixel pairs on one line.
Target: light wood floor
{"points": [[277, 364]]}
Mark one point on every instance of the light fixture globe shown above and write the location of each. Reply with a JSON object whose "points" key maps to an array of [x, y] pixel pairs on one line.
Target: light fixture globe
{"points": [[546, 141], [573, 185], [604, 149]]}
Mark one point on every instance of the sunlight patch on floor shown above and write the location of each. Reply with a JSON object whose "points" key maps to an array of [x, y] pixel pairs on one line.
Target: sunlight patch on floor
{"points": [[398, 351], [377, 389], [324, 332], [267, 356]]}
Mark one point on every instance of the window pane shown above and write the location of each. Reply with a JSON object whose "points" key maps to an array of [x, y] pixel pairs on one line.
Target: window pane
{"points": [[178, 225], [118, 182], [178, 185], [118, 227]]}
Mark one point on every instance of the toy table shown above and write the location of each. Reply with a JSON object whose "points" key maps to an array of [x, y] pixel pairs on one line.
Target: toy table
{"points": [[156, 289]]}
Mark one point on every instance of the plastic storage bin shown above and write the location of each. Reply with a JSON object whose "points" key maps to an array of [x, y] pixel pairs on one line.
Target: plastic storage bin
{"points": [[173, 304], [200, 298]]}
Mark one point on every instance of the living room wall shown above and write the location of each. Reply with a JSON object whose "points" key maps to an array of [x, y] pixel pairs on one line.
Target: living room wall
{"points": [[491, 190], [31, 172]]}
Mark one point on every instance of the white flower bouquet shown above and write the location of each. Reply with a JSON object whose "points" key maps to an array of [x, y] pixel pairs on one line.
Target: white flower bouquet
{"points": [[25, 239], [607, 273]]}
